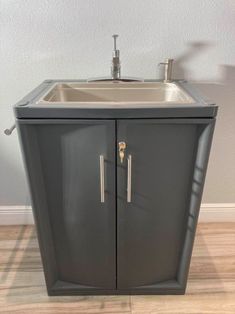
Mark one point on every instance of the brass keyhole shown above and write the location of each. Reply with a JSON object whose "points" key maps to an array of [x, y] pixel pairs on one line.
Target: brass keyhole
{"points": [[122, 147]]}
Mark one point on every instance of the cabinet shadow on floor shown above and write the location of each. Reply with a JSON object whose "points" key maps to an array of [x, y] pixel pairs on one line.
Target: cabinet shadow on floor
{"points": [[204, 262]]}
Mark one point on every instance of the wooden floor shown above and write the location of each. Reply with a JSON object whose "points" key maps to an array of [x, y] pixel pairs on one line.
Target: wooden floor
{"points": [[211, 286]]}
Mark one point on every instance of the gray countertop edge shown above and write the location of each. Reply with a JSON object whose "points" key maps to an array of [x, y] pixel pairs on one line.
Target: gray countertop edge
{"points": [[25, 108]]}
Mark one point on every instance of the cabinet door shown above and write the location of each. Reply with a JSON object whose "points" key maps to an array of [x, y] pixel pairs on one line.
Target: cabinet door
{"points": [[71, 169], [158, 180]]}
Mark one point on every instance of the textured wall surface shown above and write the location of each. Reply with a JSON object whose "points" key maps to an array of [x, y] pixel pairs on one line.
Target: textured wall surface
{"points": [[72, 39]]}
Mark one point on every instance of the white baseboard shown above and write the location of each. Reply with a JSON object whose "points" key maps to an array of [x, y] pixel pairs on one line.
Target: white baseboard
{"points": [[217, 212], [16, 215], [22, 215]]}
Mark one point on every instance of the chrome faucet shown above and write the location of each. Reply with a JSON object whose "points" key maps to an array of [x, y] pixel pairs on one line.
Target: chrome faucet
{"points": [[116, 64], [115, 69], [168, 70]]}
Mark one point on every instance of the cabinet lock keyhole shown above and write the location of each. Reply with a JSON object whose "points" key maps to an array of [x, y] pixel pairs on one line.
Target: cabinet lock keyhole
{"points": [[122, 147]]}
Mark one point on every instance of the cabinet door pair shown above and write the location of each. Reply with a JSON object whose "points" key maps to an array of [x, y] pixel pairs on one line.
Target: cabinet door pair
{"points": [[106, 224]]}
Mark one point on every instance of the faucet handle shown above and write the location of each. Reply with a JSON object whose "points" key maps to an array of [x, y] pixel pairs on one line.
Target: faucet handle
{"points": [[115, 36], [161, 63], [167, 62], [116, 52]]}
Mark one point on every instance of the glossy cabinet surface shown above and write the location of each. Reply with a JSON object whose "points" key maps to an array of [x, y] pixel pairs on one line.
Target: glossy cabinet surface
{"points": [[155, 220], [106, 241]]}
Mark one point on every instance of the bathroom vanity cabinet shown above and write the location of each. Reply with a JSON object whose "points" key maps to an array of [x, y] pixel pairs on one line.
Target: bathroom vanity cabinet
{"points": [[107, 225]]}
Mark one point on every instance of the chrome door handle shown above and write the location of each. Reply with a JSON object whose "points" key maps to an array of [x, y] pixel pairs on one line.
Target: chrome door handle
{"points": [[101, 178], [129, 166]]}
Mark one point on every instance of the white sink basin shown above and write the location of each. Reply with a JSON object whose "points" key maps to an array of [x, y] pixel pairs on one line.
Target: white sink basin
{"points": [[110, 94]]}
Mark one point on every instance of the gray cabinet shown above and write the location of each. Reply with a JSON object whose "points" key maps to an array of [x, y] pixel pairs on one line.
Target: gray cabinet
{"points": [[152, 226], [107, 227], [63, 159]]}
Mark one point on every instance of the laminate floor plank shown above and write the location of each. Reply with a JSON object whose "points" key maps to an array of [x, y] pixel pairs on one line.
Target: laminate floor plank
{"points": [[211, 283], [210, 290]]}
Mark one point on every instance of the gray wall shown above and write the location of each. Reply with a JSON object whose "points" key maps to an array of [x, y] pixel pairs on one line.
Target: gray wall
{"points": [[72, 39]]}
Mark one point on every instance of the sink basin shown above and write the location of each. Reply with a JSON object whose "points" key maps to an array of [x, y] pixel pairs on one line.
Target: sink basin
{"points": [[61, 99], [115, 94]]}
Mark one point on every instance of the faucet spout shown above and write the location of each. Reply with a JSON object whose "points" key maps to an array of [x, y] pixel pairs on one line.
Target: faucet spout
{"points": [[116, 64]]}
